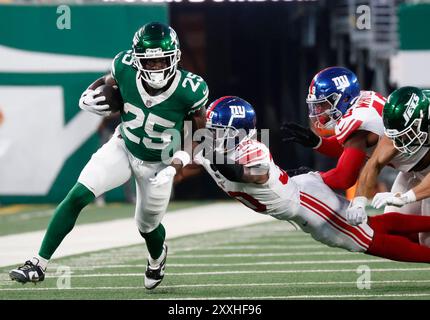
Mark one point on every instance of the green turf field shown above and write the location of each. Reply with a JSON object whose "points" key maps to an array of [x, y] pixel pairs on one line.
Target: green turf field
{"points": [[263, 261]]}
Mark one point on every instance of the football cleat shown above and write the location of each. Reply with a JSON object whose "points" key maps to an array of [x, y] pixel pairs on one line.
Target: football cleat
{"points": [[154, 276], [28, 272]]}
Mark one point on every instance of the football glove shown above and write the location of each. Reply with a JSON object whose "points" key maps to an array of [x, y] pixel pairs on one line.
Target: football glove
{"points": [[163, 176], [356, 212], [89, 102], [293, 132], [394, 199]]}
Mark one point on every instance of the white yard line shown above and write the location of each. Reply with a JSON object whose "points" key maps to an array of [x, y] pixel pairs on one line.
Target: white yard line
{"points": [[211, 273], [15, 249], [243, 264], [334, 296], [280, 254], [223, 285]]}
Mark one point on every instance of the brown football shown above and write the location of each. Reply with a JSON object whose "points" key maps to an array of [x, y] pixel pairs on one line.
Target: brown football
{"points": [[113, 97]]}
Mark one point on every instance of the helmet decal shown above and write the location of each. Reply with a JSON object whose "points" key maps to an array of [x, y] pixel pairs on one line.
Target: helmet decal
{"points": [[410, 107], [341, 82]]}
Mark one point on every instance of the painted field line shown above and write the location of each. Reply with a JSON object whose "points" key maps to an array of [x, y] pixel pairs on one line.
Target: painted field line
{"points": [[223, 285], [89, 237], [279, 254], [256, 247], [243, 264], [209, 273], [340, 296]]}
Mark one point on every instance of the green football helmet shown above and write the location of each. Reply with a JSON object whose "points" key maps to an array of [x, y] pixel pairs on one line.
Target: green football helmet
{"points": [[406, 119], [156, 41]]}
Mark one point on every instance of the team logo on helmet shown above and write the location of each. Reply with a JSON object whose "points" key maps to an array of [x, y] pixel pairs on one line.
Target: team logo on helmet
{"points": [[341, 82], [410, 107], [237, 111]]}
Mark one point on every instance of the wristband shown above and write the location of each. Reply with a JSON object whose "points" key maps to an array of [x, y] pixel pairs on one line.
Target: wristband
{"points": [[359, 201], [183, 156], [409, 196]]}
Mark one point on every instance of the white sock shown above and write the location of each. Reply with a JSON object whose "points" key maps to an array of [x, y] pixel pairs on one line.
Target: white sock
{"points": [[156, 262], [42, 262]]}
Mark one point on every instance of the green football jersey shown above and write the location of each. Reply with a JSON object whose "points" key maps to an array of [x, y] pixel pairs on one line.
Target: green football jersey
{"points": [[146, 117]]}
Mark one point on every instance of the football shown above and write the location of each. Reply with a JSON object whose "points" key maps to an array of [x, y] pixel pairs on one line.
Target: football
{"points": [[113, 97]]}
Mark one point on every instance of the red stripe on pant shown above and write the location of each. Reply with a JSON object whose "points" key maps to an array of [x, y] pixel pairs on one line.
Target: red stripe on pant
{"points": [[357, 241], [337, 214], [347, 229]]}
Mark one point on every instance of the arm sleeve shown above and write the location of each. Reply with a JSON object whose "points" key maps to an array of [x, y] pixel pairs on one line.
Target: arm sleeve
{"points": [[347, 169], [330, 147]]}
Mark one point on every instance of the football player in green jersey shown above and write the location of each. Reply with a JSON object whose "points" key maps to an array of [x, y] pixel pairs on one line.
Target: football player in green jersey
{"points": [[157, 96], [406, 147]]}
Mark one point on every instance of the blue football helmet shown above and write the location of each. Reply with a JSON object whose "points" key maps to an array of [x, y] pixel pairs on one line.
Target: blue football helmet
{"points": [[331, 93], [232, 120]]}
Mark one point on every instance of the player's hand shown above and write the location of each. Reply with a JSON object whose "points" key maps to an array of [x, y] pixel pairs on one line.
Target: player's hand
{"points": [[393, 199], [356, 212], [89, 102], [163, 176], [293, 132]]}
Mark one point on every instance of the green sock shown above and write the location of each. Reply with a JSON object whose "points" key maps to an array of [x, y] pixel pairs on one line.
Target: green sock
{"points": [[64, 218], [155, 240]]}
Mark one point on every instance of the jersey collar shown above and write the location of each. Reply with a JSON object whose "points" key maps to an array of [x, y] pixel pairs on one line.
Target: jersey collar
{"points": [[151, 101]]}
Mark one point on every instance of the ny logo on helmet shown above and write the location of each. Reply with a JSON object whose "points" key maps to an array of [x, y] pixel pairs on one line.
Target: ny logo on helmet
{"points": [[341, 82], [411, 105], [237, 111]]}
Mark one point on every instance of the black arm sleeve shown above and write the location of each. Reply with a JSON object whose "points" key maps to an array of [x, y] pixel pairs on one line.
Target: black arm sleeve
{"points": [[233, 172]]}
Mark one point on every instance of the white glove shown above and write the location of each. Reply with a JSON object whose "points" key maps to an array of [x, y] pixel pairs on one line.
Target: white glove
{"points": [[356, 212], [394, 199], [163, 176], [89, 103]]}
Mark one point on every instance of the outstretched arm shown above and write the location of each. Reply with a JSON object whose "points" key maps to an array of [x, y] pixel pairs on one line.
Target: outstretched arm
{"points": [[347, 169], [382, 155]]}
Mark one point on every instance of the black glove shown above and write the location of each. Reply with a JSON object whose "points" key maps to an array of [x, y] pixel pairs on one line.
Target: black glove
{"points": [[296, 172], [296, 133]]}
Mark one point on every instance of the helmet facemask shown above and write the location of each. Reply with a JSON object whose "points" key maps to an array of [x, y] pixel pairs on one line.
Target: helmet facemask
{"points": [[409, 140], [323, 112], [157, 78], [226, 138]]}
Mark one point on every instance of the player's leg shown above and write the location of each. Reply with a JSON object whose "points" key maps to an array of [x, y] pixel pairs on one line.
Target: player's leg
{"points": [[398, 248], [389, 240], [403, 182], [151, 205], [322, 214], [107, 169]]}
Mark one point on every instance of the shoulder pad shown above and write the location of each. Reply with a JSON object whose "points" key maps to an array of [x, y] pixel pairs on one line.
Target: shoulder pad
{"points": [[197, 91], [253, 153], [121, 61]]}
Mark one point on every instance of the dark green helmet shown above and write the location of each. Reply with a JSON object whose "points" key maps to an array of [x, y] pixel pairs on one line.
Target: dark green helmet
{"points": [[156, 41], [406, 119]]}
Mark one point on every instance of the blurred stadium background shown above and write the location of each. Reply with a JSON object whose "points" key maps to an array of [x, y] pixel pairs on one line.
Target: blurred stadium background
{"points": [[265, 52]]}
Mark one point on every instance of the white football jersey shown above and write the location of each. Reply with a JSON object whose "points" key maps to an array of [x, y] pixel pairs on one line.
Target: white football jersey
{"points": [[303, 199], [276, 197], [365, 114], [405, 163]]}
